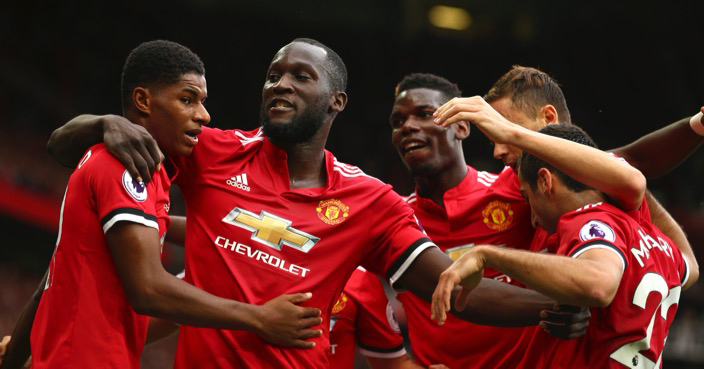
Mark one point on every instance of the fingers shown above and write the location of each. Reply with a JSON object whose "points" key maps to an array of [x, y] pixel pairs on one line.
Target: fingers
{"points": [[311, 312], [442, 296], [3, 346], [462, 299], [147, 164], [309, 322], [456, 105], [297, 298], [155, 153], [302, 344], [565, 331], [305, 334], [126, 160]]}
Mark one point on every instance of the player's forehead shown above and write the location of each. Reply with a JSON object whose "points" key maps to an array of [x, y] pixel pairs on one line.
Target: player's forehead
{"points": [[419, 98], [300, 54], [193, 83]]}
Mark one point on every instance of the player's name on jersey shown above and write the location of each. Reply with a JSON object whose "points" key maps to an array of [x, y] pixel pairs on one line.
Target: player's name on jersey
{"points": [[648, 243], [260, 256]]}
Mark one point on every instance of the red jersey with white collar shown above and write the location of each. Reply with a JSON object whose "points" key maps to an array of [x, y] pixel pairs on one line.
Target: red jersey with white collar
{"points": [[483, 209], [251, 238], [362, 317], [632, 330], [84, 319]]}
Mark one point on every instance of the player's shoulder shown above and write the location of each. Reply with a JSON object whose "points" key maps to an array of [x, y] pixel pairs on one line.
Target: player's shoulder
{"points": [[230, 136], [97, 159], [349, 175], [597, 220], [364, 285]]}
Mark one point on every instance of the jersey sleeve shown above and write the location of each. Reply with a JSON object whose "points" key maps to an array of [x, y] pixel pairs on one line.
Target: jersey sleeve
{"points": [[396, 237], [117, 196], [592, 230], [378, 334]]}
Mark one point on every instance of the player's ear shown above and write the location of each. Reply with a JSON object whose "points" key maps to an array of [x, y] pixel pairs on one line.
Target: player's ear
{"points": [[548, 115], [339, 101], [546, 181], [461, 130], [141, 99]]}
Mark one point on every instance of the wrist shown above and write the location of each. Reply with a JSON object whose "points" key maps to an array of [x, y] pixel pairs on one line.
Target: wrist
{"points": [[254, 318], [484, 255]]}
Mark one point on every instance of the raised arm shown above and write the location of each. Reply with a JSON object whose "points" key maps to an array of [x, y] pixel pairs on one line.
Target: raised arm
{"points": [[657, 153], [18, 350], [592, 167], [152, 291], [667, 225], [130, 143]]}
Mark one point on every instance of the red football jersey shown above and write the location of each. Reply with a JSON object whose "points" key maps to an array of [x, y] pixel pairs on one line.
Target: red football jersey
{"points": [[483, 209], [84, 319], [632, 330], [362, 317], [251, 238]]}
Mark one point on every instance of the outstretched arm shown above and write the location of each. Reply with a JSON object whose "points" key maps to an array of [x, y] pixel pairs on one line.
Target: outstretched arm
{"points": [[152, 291], [592, 279], [18, 350], [657, 153], [493, 303], [130, 143], [592, 167]]}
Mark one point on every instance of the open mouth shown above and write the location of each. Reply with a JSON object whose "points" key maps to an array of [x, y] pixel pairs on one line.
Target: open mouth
{"points": [[281, 105], [192, 135], [413, 146]]}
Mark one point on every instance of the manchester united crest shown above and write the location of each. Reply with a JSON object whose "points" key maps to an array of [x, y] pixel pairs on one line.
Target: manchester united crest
{"points": [[340, 304], [332, 211], [498, 215]]}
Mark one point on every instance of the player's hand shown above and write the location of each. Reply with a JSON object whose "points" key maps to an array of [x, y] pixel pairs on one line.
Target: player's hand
{"points": [[3, 347], [133, 146], [283, 322], [438, 366], [478, 112], [466, 272], [565, 321]]}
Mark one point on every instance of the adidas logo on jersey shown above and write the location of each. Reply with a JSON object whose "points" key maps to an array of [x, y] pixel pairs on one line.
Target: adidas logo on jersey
{"points": [[239, 181]]}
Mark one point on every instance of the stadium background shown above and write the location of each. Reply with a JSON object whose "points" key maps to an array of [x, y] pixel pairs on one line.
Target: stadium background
{"points": [[626, 69]]}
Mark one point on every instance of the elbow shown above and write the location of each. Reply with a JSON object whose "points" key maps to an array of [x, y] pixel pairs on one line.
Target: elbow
{"points": [[635, 187], [599, 297], [693, 272], [144, 301]]}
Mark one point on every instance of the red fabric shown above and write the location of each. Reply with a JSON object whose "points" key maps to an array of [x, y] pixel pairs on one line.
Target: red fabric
{"points": [[483, 209], [622, 322], [362, 316], [84, 319], [357, 219]]}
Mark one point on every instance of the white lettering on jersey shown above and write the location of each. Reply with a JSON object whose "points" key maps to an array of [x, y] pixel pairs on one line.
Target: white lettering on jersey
{"points": [[260, 256], [648, 243]]}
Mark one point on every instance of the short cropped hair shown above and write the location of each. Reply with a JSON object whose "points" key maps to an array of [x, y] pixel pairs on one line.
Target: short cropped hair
{"points": [[429, 81], [336, 69], [156, 64], [530, 89], [529, 165]]}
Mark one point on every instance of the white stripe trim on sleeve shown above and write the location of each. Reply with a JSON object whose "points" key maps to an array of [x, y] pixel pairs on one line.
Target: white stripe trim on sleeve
{"points": [[129, 218], [686, 272], [383, 355], [605, 247], [409, 260]]}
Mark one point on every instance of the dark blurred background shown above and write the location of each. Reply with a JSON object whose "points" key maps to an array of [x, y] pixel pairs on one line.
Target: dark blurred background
{"points": [[626, 69]]}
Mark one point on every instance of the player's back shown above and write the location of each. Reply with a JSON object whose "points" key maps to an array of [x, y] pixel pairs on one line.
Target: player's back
{"points": [[632, 330]]}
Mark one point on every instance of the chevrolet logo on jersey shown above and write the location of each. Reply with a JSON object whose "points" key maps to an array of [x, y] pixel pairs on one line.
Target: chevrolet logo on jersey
{"points": [[271, 230]]}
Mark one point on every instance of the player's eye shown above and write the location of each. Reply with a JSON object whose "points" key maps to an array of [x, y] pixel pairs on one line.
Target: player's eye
{"points": [[303, 77], [273, 77], [186, 100]]}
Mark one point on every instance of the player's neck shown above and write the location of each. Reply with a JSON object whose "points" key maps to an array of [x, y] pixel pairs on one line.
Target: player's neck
{"points": [[435, 185], [306, 161], [572, 201]]}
